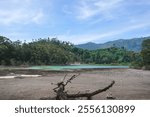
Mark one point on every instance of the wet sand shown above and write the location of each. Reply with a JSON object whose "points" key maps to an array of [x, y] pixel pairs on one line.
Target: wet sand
{"points": [[129, 84]]}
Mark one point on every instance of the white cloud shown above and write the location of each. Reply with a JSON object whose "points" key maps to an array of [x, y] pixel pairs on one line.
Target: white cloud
{"points": [[14, 36], [77, 39], [16, 11], [38, 16], [90, 8]]}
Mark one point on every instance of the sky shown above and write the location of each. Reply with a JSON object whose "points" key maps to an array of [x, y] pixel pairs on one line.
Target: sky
{"points": [[77, 21]]}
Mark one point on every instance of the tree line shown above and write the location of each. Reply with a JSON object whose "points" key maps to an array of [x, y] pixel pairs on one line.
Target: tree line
{"points": [[54, 52]]}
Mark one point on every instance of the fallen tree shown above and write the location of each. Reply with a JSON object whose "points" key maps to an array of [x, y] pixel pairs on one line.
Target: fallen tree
{"points": [[61, 94]]}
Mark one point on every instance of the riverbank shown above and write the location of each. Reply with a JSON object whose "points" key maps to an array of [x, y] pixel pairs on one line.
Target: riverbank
{"points": [[130, 84]]}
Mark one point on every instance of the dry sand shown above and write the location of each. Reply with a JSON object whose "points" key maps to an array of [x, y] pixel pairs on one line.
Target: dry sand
{"points": [[130, 84]]}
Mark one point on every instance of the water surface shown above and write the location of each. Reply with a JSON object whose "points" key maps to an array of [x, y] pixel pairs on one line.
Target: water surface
{"points": [[75, 67]]}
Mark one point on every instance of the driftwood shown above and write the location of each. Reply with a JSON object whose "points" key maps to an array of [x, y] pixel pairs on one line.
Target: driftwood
{"points": [[89, 95], [60, 89], [61, 94]]}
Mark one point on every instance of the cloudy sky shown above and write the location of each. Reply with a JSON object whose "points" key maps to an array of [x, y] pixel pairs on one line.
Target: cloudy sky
{"points": [[77, 21]]}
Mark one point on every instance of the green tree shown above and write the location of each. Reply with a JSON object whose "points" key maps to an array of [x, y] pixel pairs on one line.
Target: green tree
{"points": [[146, 53], [6, 51]]}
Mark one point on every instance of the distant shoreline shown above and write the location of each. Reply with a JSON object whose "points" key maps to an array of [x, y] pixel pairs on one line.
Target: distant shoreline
{"points": [[6, 71]]}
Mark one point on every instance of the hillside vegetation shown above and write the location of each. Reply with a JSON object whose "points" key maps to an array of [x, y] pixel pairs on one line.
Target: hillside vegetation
{"points": [[55, 52], [129, 44]]}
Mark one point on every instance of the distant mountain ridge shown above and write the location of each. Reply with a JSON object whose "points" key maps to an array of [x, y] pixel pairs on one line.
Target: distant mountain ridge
{"points": [[133, 44]]}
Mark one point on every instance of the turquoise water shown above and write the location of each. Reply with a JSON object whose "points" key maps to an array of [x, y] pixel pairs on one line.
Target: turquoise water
{"points": [[74, 67]]}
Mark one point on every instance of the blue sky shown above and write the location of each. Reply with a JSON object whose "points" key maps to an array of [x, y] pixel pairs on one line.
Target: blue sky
{"points": [[77, 21]]}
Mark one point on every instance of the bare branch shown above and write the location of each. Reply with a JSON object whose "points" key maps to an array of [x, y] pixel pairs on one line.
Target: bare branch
{"points": [[61, 94], [72, 77], [89, 95], [64, 77]]}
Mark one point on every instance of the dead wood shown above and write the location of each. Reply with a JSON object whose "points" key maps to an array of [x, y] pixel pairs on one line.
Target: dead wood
{"points": [[89, 95], [61, 94]]}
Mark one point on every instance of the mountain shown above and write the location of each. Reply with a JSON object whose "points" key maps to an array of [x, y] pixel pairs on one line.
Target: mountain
{"points": [[89, 46], [130, 44]]}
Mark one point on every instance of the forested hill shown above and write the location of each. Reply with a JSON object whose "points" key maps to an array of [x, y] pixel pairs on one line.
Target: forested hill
{"points": [[129, 44], [39, 52], [55, 52]]}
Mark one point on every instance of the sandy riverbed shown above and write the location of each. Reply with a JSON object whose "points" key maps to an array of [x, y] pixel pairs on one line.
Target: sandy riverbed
{"points": [[130, 84]]}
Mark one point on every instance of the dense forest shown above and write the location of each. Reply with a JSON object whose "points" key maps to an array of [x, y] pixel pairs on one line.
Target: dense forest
{"points": [[54, 52]]}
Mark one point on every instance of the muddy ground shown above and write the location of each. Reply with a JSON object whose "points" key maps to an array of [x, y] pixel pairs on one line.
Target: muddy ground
{"points": [[130, 84]]}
